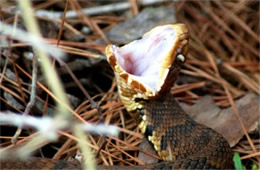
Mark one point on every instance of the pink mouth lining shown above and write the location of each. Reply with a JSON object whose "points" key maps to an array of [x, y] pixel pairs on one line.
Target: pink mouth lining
{"points": [[143, 58]]}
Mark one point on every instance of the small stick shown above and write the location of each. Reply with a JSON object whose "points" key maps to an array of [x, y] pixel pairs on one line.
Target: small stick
{"points": [[96, 10], [62, 23], [32, 98], [3, 72]]}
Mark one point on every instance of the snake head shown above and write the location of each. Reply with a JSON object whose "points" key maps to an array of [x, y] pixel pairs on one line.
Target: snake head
{"points": [[148, 67]]}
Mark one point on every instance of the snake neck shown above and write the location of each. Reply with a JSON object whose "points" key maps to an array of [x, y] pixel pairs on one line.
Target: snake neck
{"points": [[154, 116], [174, 134]]}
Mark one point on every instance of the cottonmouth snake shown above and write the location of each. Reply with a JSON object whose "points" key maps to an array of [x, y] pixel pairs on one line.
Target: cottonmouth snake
{"points": [[145, 71]]}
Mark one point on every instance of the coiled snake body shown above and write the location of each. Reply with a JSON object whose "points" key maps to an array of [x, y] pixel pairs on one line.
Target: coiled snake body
{"points": [[145, 71]]}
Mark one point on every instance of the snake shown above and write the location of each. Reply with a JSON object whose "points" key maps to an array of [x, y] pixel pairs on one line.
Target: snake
{"points": [[145, 71]]}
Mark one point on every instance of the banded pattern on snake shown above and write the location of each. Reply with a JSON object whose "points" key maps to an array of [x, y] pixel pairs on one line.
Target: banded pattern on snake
{"points": [[145, 71]]}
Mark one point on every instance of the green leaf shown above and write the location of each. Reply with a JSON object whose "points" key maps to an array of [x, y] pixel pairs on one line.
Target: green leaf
{"points": [[237, 162], [255, 166]]}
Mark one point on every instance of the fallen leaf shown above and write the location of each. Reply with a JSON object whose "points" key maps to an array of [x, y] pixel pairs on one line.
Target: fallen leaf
{"points": [[224, 121]]}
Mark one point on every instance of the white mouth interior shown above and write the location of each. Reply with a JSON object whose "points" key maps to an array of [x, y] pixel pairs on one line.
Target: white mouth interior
{"points": [[143, 58]]}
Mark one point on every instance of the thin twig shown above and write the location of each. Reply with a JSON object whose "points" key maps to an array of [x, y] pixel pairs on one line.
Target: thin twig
{"points": [[32, 97], [97, 10], [3, 71], [62, 22]]}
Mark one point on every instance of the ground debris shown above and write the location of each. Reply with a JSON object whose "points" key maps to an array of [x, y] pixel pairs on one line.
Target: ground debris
{"points": [[224, 121]]}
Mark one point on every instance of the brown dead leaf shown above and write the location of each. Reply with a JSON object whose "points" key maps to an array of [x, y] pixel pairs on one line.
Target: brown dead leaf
{"points": [[206, 112], [147, 146]]}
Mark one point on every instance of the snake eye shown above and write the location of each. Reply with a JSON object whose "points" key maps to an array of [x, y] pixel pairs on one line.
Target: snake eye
{"points": [[181, 58]]}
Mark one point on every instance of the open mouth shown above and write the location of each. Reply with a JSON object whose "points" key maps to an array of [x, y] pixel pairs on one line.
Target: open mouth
{"points": [[148, 60]]}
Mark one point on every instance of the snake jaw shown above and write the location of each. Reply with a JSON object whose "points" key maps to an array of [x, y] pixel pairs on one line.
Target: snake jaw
{"points": [[144, 64], [147, 68]]}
